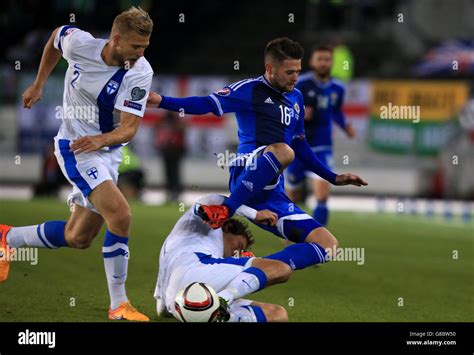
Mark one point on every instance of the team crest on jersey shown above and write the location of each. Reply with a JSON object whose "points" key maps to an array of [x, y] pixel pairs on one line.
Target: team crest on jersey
{"points": [[93, 173], [296, 107], [223, 92], [333, 98], [112, 87]]}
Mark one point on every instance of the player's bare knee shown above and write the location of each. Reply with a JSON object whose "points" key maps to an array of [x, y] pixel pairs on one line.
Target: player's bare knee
{"points": [[119, 219], [283, 152], [275, 313], [78, 240], [275, 270], [322, 237], [329, 242], [120, 223], [283, 272], [280, 314]]}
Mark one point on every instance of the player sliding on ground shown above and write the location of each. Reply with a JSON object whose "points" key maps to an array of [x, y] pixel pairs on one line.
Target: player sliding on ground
{"points": [[193, 252], [270, 116], [102, 75]]}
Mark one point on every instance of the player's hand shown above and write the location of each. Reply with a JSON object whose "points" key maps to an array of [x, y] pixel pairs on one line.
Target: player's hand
{"points": [[154, 100], [266, 217], [87, 144], [31, 96], [350, 131], [350, 179]]}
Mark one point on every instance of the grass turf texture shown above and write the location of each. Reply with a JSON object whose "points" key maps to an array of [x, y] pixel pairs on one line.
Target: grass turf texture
{"points": [[405, 256]]}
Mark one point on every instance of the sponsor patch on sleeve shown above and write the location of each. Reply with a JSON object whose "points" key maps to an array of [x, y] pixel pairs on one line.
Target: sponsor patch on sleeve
{"points": [[133, 105]]}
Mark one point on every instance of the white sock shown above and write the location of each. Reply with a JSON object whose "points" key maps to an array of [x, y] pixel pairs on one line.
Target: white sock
{"points": [[249, 281], [20, 236], [116, 268]]}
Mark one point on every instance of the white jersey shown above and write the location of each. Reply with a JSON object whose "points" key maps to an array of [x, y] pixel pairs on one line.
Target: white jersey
{"points": [[190, 234], [93, 89], [179, 258]]}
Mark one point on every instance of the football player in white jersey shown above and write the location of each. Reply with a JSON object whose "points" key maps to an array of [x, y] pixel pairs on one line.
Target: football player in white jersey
{"points": [[194, 252], [103, 76]]}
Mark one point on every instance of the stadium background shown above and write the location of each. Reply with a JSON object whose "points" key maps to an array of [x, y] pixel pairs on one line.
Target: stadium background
{"points": [[414, 219]]}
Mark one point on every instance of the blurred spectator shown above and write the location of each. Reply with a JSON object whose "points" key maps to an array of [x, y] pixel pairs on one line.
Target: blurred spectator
{"points": [[169, 141], [51, 176], [131, 177], [343, 61], [456, 159]]}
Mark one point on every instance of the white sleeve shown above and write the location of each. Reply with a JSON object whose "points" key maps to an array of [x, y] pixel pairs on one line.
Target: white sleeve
{"points": [[132, 97], [69, 38], [215, 199], [247, 211]]}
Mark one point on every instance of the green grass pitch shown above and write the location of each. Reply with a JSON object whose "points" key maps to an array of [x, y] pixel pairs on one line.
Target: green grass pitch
{"points": [[406, 257]]}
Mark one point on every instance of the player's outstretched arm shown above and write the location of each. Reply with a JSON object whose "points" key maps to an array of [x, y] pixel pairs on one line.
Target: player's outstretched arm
{"points": [[129, 124], [194, 105], [304, 152], [49, 59]]}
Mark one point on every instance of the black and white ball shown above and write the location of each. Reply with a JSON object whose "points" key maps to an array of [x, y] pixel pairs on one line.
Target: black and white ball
{"points": [[197, 302]]}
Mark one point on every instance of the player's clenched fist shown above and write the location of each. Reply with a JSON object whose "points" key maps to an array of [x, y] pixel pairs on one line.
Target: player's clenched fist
{"points": [[266, 217], [153, 100], [31, 96], [349, 179]]}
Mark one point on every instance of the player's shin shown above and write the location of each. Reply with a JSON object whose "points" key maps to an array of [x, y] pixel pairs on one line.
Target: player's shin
{"points": [[262, 172], [249, 281], [116, 254], [45, 235], [301, 255]]}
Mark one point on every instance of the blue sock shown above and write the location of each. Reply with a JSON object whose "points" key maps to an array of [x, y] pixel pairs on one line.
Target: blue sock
{"points": [[300, 255], [54, 233], [267, 168], [45, 235], [321, 213], [259, 315]]}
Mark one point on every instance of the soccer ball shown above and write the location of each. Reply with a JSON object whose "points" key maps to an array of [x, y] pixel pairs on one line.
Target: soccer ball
{"points": [[197, 302]]}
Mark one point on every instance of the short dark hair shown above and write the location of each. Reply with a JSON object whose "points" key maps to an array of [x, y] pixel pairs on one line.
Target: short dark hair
{"points": [[237, 227], [283, 48], [322, 48]]}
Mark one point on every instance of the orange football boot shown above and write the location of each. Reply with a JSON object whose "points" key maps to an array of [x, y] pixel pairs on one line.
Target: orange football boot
{"points": [[214, 215], [128, 312], [5, 251]]}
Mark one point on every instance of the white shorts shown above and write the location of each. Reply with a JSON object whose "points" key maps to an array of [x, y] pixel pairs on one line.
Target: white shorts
{"points": [[187, 268], [85, 171]]}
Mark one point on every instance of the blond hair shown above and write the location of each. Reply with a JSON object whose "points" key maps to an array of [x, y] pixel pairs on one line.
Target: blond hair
{"points": [[134, 19]]}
